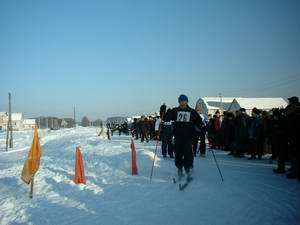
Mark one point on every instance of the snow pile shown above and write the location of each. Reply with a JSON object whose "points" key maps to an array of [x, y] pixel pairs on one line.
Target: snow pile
{"points": [[251, 194]]}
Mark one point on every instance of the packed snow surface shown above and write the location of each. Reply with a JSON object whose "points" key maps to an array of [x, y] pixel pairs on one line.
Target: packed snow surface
{"points": [[251, 193]]}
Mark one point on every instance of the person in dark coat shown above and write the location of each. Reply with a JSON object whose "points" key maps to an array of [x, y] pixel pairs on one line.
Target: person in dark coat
{"points": [[144, 129], [266, 132], [196, 137], [279, 141], [203, 136], [162, 111], [218, 130], [224, 128], [211, 134], [135, 131], [228, 129], [200, 134], [166, 135], [240, 133], [254, 138], [293, 133], [151, 127], [185, 119]]}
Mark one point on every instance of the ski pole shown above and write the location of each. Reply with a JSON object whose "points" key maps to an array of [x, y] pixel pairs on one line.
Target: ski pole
{"points": [[151, 175], [217, 165]]}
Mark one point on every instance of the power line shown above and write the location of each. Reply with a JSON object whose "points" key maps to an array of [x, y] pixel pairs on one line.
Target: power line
{"points": [[266, 86]]}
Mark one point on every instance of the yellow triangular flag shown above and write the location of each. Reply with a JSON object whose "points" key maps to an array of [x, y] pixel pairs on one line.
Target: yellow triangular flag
{"points": [[32, 163]]}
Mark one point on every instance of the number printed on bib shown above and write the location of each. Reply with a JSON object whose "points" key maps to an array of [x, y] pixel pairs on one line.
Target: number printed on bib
{"points": [[183, 116]]}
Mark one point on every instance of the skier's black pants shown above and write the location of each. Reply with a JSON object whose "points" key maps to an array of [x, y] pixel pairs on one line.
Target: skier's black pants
{"points": [[183, 153]]}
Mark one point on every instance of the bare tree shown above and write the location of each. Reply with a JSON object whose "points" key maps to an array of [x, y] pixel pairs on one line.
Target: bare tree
{"points": [[97, 123], [85, 122]]}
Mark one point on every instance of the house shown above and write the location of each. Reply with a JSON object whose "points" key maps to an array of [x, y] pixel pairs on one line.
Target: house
{"points": [[70, 122], [265, 104], [116, 120], [64, 123], [53, 123], [29, 124], [16, 119], [209, 105], [3, 122]]}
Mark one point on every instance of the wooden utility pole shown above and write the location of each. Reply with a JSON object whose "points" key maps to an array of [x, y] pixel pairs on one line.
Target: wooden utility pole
{"points": [[74, 117], [9, 134]]}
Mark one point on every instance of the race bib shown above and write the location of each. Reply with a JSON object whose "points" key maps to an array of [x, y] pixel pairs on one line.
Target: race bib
{"points": [[183, 116]]}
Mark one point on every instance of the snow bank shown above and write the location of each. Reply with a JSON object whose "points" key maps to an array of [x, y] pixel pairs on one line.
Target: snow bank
{"points": [[251, 194]]}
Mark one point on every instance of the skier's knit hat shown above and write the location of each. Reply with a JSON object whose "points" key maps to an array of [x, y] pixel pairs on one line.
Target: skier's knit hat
{"points": [[183, 98]]}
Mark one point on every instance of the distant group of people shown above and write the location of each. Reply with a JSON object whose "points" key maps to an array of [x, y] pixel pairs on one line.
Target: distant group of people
{"points": [[144, 128], [120, 128], [276, 132]]}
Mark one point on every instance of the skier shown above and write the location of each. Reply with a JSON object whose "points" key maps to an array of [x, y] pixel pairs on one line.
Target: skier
{"points": [[185, 119]]}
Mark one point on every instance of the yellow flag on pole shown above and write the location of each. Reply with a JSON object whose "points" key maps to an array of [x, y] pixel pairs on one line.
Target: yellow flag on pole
{"points": [[32, 163]]}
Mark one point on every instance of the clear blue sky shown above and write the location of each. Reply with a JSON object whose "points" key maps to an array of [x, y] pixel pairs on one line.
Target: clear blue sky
{"points": [[128, 57]]}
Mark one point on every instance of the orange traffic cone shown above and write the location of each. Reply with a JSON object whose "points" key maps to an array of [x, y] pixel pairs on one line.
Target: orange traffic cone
{"points": [[79, 168], [134, 167]]}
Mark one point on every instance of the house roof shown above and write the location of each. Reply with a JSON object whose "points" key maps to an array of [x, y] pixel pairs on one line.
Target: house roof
{"points": [[29, 121], [261, 103], [117, 120], [2, 113], [16, 116], [64, 122], [215, 102]]}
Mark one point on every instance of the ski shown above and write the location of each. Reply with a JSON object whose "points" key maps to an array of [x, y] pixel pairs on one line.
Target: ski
{"points": [[176, 179], [183, 186]]}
